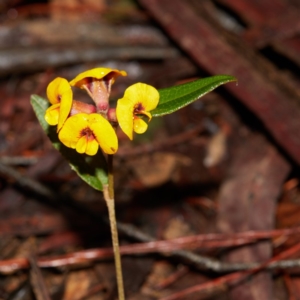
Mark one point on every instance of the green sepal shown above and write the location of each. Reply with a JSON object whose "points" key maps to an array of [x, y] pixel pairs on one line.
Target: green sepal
{"points": [[91, 169], [173, 98]]}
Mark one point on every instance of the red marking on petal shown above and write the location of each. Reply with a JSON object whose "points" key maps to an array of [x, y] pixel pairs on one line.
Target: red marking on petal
{"points": [[88, 133], [138, 108]]}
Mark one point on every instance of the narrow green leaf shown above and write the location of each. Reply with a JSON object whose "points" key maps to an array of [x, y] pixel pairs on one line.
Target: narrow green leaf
{"points": [[176, 97], [91, 169]]}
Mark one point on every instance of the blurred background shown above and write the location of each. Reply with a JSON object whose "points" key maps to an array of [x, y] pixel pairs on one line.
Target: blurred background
{"points": [[223, 171]]}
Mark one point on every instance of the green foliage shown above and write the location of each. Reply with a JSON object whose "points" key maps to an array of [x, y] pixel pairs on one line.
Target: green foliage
{"points": [[176, 97], [91, 169]]}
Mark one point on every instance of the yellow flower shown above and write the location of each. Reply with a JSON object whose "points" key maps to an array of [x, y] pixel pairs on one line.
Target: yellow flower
{"points": [[60, 95], [96, 73], [139, 99], [86, 132], [97, 82]]}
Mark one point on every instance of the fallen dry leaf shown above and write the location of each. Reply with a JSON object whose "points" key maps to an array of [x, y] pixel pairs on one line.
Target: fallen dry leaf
{"points": [[158, 168]]}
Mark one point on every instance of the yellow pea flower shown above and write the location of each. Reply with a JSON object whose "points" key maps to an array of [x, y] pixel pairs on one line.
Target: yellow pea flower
{"points": [[86, 132], [139, 99], [60, 95], [97, 82]]}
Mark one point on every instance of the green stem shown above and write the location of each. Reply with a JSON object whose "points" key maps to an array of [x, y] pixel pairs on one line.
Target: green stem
{"points": [[108, 192]]}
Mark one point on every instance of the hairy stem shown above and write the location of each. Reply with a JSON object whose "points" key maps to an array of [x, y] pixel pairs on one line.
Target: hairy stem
{"points": [[108, 192]]}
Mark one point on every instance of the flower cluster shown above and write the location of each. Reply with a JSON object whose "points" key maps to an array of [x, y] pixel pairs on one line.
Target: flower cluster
{"points": [[85, 127]]}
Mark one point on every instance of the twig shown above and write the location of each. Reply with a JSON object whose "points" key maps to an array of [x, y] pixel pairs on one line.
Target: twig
{"points": [[207, 288], [18, 160], [75, 258]]}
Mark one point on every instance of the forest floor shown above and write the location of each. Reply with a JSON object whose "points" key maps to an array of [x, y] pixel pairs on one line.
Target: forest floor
{"points": [[207, 201]]}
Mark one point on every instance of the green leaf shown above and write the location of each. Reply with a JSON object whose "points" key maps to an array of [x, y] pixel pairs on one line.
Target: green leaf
{"points": [[91, 169], [176, 97]]}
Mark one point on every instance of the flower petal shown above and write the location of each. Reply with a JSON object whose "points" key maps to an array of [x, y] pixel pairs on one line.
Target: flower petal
{"points": [[71, 131], [65, 107], [124, 113], [97, 73], [146, 113], [143, 93], [92, 147], [52, 114], [139, 125], [104, 133], [81, 145], [56, 88]]}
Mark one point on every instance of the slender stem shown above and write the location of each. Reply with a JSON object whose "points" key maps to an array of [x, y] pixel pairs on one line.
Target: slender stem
{"points": [[108, 192]]}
